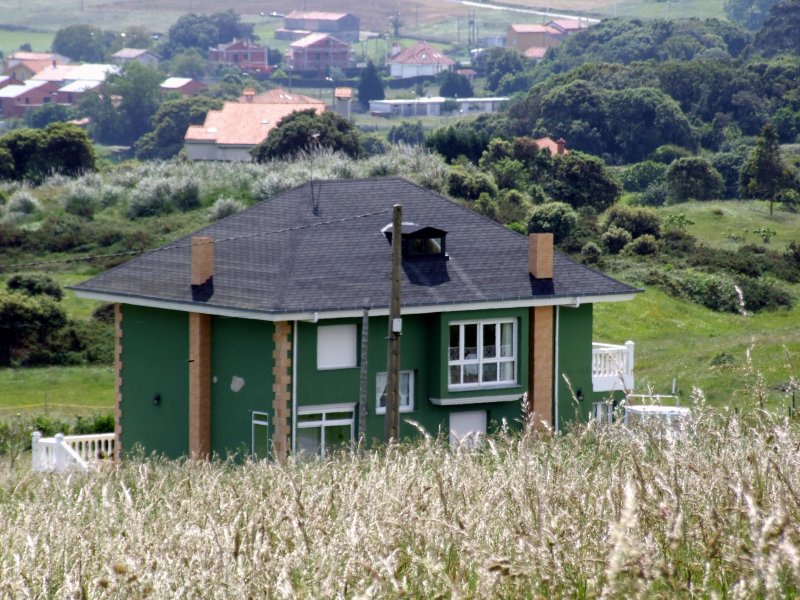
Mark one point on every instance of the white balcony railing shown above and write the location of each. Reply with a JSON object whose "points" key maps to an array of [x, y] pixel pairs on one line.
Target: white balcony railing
{"points": [[64, 452], [612, 367]]}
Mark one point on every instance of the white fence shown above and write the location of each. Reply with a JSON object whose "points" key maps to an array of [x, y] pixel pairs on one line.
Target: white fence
{"points": [[64, 452], [612, 367]]}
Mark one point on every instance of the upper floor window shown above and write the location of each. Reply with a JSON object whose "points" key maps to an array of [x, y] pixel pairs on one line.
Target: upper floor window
{"points": [[482, 354], [336, 346]]}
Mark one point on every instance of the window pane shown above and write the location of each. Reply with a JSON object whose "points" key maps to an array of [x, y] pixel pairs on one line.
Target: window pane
{"points": [[309, 418], [507, 339], [337, 436], [455, 374], [380, 388], [507, 371], [489, 341], [470, 341], [489, 372], [405, 380], [435, 246], [454, 342], [471, 373], [309, 441], [338, 416]]}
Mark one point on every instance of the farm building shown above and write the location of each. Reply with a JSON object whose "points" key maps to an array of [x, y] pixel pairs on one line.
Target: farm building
{"points": [[249, 334], [185, 86], [418, 60], [298, 24], [435, 106]]}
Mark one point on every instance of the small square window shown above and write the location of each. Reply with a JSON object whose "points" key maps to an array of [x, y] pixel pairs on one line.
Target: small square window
{"points": [[336, 347]]}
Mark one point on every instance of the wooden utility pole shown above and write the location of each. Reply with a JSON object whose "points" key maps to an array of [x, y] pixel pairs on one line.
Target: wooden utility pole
{"points": [[363, 392], [391, 429]]}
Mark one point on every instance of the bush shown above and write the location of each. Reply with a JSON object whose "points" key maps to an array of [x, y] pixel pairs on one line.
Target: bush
{"points": [[35, 284], [23, 202], [104, 313], [60, 233], [186, 194], [669, 153], [151, 198], [513, 206], [640, 176], [97, 423], [642, 246], [81, 201], [655, 195], [591, 253], [637, 221], [693, 178], [615, 239], [469, 184], [557, 218], [224, 207], [789, 199], [50, 426]]}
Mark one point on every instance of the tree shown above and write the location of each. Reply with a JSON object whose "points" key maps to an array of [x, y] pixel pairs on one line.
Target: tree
{"points": [[497, 62], [582, 180], [370, 85], [780, 31], [23, 147], [169, 126], [577, 112], [407, 133], [557, 218], [51, 112], [66, 149], [189, 63], [204, 31], [750, 14], [693, 178], [453, 85], [764, 173], [459, 139], [305, 130], [26, 322], [80, 43], [139, 87]]}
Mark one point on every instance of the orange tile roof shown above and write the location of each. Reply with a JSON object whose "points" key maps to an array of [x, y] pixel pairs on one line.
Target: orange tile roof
{"points": [[535, 52], [278, 96], [547, 143], [239, 124], [315, 38], [421, 54], [343, 92], [569, 24], [316, 15], [532, 28]]}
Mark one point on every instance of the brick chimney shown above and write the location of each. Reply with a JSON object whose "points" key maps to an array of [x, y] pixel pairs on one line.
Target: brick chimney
{"points": [[249, 93], [202, 260], [561, 146], [540, 255]]}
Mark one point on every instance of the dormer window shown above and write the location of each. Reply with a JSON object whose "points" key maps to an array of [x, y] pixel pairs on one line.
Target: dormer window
{"points": [[418, 241]]}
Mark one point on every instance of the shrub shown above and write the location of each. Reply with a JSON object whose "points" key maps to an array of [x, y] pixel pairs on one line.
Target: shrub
{"points": [[104, 313], [642, 246], [640, 176], [789, 199], [655, 195], [469, 184], [668, 153], [591, 253], [486, 206], [60, 233], [152, 198], [81, 201], [557, 218], [23, 202], [637, 221], [693, 178], [97, 423], [615, 239], [224, 207], [186, 194], [35, 284], [49, 426], [272, 184], [513, 206]]}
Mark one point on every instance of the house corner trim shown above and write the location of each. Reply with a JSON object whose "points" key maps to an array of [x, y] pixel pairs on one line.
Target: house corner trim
{"points": [[199, 385], [281, 387], [540, 357]]}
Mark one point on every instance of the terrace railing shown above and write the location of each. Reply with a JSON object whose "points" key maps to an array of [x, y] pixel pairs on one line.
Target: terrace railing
{"points": [[65, 452], [612, 367]]}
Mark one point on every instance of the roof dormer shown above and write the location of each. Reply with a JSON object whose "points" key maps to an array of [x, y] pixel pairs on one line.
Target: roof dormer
{"points": [[418, 241]]}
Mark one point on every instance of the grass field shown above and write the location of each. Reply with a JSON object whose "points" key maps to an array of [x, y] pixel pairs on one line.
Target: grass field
{"points": [[12, 40], [600, 512]]}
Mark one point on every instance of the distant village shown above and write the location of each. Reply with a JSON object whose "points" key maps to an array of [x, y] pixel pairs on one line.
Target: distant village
{"points": [[320, 43]]}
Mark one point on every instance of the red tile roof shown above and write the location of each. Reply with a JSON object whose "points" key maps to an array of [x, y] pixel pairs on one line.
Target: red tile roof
{"points": [[421, 54], [316, 15], [343, 93], [535, 52], [242, 124], [278, 96], [532, 28], [552, 145]]}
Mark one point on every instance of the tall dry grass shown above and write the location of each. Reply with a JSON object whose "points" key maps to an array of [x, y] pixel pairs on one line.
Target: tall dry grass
{"points": [[597, 512]]}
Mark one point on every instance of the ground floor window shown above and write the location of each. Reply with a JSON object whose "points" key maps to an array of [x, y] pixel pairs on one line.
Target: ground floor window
{"points": [[406, 392], [482, 353], [324, 428], [259, 435]]}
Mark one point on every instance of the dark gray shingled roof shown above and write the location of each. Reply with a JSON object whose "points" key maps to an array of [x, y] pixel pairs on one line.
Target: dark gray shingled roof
{"points": [[346, 264]]}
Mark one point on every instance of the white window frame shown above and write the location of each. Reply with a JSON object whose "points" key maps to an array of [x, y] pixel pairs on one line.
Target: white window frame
{"points": [[257, 419], [323, 410], [461, 360], [337, 347], [380, 384]]}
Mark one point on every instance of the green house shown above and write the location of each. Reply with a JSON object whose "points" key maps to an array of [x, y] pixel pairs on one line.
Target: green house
{"points": [[248, 336]]}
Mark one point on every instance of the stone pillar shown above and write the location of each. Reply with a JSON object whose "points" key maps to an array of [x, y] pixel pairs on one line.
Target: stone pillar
{"points": [[282, 388], [199, 385], [540, 358]]}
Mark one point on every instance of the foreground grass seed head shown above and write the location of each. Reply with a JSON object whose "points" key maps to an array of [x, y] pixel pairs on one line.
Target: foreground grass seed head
{"points": [[596, 512]]}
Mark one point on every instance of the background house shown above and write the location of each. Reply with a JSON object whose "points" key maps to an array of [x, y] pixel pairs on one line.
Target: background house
{"points": [[521, 36], [419, 60], [230, 133], [320, 51], [24, 65], [427, 106], [140, 55], [240, 53], [16, 99], [185, 86], [247, 336], [298, 24]]}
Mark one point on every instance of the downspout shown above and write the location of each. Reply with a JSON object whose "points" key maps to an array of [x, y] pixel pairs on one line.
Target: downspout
{"points": [[556, 377], [294, 387]]}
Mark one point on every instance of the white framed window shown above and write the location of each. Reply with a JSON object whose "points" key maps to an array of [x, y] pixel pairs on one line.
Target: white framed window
{"points": [[259, 434], [482, 354], [336, 347], [406, 392], [323, 428], [603, 412]]}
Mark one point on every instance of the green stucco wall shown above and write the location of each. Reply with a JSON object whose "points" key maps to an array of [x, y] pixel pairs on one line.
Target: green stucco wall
{"points": [[423, 349], [240, 349], [575, 363], [155, 351]]}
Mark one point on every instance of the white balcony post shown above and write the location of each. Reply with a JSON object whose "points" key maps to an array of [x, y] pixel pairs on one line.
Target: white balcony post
{"points": [[35, 452], [629, 345], [59, 452]]}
